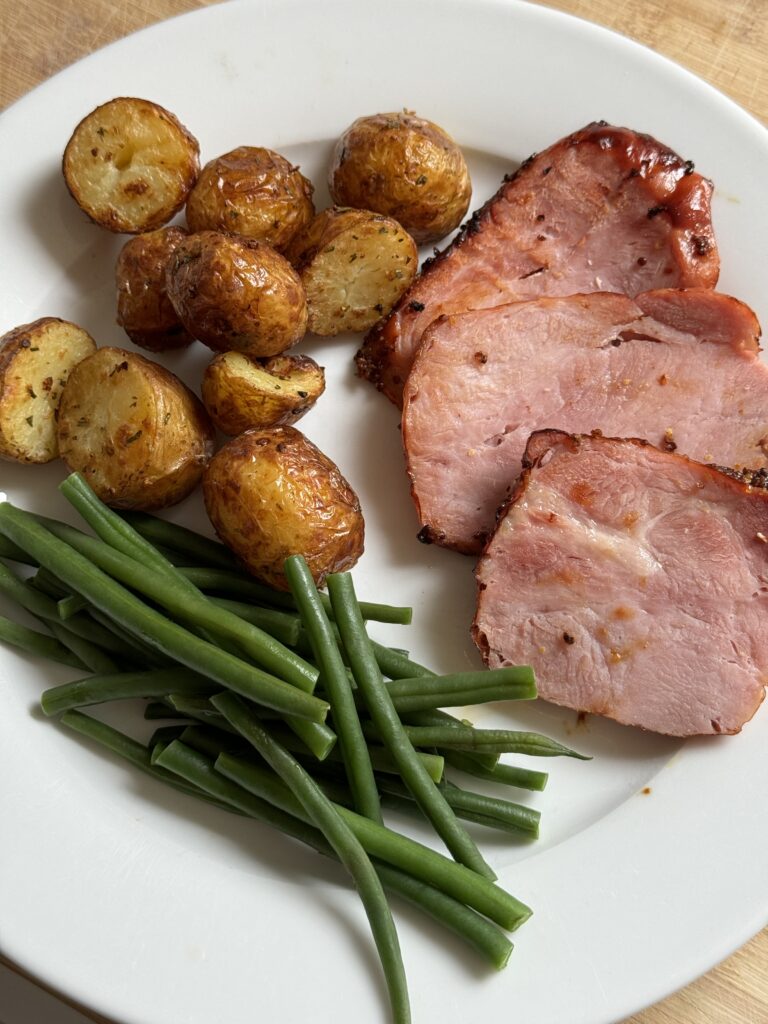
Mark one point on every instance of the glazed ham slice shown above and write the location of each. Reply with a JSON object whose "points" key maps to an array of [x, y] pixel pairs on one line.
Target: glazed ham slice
{"points": [[634, 581], [605, 209], [679, 368]]}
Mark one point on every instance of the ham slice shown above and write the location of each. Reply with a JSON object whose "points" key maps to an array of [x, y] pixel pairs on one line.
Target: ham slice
{"points": [[605, 209], [679, 368], [634, 581]]}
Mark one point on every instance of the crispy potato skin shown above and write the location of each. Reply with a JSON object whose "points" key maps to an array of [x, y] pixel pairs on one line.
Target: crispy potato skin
{"points": [[130, 164], [137, 434], [354, 265], [35, 362], [405, 167], [271, 494], [240, 392], [253, 192], [144, 310], [236, 294]]}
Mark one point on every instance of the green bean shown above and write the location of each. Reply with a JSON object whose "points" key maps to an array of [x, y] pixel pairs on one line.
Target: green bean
{"points": [[126, 609], [156, 711], [92, 657], [505, 774], [324, 815], [237, 584], [203, 550], [40, 644], [354, 749], [189, 604], [23, 594], [101, 688], [10, 550], [395, 665], [465, 737], [284, 627], [121, 640], [385, 717], [165, 734], [435, 717], [381, 842], [137, 754], [473, 928], [71, 605]]}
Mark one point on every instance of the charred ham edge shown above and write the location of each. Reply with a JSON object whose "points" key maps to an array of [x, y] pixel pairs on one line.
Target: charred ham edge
{"points": [[677, 193], [542, 446]]}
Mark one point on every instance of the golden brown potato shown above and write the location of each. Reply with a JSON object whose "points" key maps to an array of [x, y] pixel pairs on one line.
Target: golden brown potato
{"points": [[144, 310], [253, 192], [271, 494], [35, 361], [236, 294], [354, 266], [240, 392], [405, 167], [130, 165], [137, 434]]}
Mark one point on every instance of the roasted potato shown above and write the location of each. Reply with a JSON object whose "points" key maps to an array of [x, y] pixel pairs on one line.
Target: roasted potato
{"points": [[240, 392], [253, 192], [236, 294], [271, 494], [354, 266], [137, 434], [144, 310], [405, 167], [130, 165], [35, 361]]}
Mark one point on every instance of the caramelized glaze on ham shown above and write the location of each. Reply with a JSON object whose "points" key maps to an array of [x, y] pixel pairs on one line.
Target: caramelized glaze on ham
{"points": [[679, 368], [634, 581], [605, 209]]}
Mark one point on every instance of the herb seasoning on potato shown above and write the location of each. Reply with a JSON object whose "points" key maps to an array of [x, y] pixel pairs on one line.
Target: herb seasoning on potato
{"points": [[240, 392], [35, 362], [135, 432], [272, 493], [253, 192], [144, 310], [405, 167], [237, 294], [354, 266], [130, 164]]}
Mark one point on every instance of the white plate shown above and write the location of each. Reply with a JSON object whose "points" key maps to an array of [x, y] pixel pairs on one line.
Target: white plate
{"points": [[147, 908]]}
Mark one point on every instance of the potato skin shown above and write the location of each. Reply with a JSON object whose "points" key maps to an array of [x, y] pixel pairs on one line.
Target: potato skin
{"points": [[240, 392], [236, 294], [137, 434], [354, 265], [144, 310], [405, 167], [35, 362], [271, 493], [254, 192], [130, 164]]}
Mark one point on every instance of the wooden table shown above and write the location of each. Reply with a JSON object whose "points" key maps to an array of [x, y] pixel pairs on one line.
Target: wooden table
{"points": [[724, 43]]}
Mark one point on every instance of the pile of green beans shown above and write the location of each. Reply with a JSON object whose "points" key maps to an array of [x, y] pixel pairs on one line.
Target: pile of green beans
{"points": [[288, 712]]}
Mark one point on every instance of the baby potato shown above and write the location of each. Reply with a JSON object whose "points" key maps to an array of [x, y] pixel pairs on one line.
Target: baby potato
{"points": [[130, 164], [240, 392], [253, 192], [35, 362], [354, 266], [236, 294], [403, 166], [271, 493], [144, 310], [137, 434]]}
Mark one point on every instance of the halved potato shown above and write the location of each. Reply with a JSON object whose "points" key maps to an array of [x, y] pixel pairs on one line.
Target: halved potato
{"points": [[137, 434], [144, 310], [354, 266], [236, 294], [240, 392], [130, 164], [403, 166], [254, 192], [35, 362], [272, 493]]}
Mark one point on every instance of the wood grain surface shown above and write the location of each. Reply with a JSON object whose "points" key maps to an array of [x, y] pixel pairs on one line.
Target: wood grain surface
{"points": [[725, 43]]}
